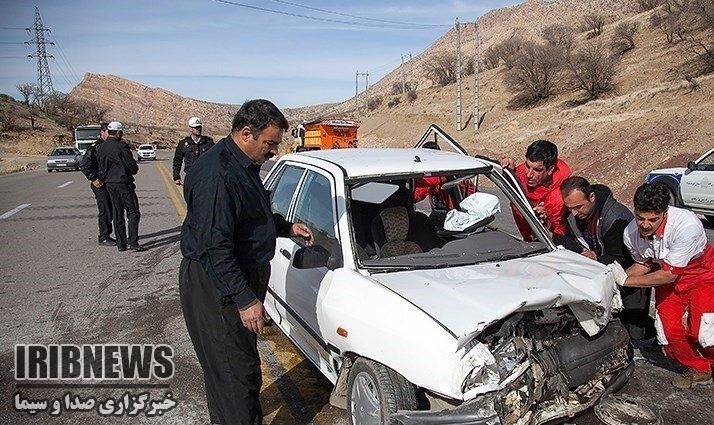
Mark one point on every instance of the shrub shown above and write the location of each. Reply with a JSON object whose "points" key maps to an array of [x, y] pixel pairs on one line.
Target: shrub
{"points": [[374, 102], [8, 118], [593, 70], [624, 39], [594, 23], [559, 35], [394, 102], [411, 95], [491, 58], [441, 69], [536, 73]]}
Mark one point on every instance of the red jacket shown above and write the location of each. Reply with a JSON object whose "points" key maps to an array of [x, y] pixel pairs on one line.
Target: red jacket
{"points": [[549, 195]]}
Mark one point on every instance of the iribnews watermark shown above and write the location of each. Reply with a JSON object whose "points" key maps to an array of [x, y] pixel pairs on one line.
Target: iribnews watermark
{"points": [[134, 367]]}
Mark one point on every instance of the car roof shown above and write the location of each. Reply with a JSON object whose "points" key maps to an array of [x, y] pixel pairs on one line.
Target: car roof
{"points": [[364, 162], [146, 144]]}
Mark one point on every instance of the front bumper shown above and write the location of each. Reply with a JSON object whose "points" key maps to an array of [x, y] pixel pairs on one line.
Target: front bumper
{"points": [[572, 363], [147, 155], [63, 166]]}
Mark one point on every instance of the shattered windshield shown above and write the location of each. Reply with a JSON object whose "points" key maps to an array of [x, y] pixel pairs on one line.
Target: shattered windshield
{"points": [[437, 220]]}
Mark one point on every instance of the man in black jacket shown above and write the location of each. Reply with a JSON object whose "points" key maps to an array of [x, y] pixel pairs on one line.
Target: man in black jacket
{"points": [[190, 148], [596, 223], [117, 168], [90, 168], [227, 240]]}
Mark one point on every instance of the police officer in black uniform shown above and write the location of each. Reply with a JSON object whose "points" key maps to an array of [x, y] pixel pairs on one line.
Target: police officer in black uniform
{"points": [[117, 168], [190, 148], [90, 168], [227, 241]]}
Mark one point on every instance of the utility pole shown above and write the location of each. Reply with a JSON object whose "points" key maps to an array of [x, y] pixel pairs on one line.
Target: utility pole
{"points": [[366, 86], [458, 76], [477, 60], [401, 69], [356, 84], [412, 86], [44, 80]]}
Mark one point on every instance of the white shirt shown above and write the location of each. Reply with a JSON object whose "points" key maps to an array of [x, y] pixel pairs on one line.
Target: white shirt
{"points": [[682, 240]]}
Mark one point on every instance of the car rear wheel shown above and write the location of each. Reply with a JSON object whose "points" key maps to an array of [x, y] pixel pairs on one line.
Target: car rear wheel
{"points": [[375, 392], [673, 196]]}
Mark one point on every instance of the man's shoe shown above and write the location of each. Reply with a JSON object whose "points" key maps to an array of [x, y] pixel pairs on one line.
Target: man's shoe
{"points": [[121, 248], [108, 242], [691, 378], [137, 248]]}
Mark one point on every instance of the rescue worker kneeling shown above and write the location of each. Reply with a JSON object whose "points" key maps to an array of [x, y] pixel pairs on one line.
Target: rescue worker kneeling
{"points": [[671, 254]]}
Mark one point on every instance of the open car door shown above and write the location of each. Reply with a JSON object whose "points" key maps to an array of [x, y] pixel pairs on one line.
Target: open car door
{"points": [[435, 134]]}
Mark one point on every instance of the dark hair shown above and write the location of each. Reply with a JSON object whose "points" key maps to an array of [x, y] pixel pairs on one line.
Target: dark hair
{"points": [[259, 114], [542, 151], [576, 183], [430, 145], [103, 126], [652, 197]]}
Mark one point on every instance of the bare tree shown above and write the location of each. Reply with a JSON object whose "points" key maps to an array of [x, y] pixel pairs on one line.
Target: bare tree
{"points": [[28, 92], [536, 73], [645, 5], [89, 111], [509, 49], [491, 58], [593, 69], [559, 35], [594, 22], [624, 39], [8, 118], [441, 69]]}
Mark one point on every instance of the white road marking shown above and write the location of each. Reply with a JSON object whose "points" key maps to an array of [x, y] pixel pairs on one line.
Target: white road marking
{"points": [[65, 184], [13, 211]]}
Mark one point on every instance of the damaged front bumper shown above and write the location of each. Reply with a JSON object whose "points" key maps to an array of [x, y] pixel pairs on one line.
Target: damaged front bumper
{"points": [[563, 380]]}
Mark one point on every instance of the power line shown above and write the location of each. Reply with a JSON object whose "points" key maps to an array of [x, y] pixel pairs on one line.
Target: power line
{"points": [[12, 28], [314, 18], [13, 57], [12, 42], [359, 17]]}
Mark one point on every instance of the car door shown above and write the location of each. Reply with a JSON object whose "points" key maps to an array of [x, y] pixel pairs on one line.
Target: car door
{"points": [[697, 184], [283, 188], [298, 292]]}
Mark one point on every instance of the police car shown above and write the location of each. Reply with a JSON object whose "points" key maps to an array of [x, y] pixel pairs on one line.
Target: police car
{"points": [[146, 152], [692, 187]]}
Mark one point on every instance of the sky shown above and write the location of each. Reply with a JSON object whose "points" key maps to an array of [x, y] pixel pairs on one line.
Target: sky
{"points": [[227, 51]]}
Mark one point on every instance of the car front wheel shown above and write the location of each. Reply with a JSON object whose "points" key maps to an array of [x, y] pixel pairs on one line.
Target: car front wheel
{"points": [[375, 392]]}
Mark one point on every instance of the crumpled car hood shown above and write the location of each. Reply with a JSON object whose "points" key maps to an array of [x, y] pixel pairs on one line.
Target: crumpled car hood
{"points": [[465, 300]]}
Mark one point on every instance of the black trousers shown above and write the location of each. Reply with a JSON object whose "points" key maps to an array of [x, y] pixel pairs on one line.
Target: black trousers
{"points": [[226, 350], [635, 314], [123, 197], [104, 205]]}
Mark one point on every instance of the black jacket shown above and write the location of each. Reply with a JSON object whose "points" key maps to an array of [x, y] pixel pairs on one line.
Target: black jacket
{"points": [[90, 165], [229, 225], [187, 151], [613, 217], [116, 163]]}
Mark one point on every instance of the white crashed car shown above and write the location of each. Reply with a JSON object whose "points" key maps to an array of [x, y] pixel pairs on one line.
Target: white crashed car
{"points": [[692, 187], [415, 324]]}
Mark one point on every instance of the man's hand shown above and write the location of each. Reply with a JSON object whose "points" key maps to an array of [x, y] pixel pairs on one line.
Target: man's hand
{"points": [[542, 214], [302, 231], [589, 253], [178, 182], [253, 317], [97, 183], [508, 163], [619, 272]]}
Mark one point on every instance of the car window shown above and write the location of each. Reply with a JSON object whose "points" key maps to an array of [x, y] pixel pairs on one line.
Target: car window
{"points": [[283, 188], [315, 208], [707, 163]]}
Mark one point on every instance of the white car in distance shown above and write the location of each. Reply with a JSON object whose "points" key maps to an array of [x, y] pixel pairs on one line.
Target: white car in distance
{"points": [[414, 324], [146, 151]]}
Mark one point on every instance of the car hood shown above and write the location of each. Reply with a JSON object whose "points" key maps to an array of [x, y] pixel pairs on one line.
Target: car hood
{"points": [[63, 157], [465, 300], [669, 171]]}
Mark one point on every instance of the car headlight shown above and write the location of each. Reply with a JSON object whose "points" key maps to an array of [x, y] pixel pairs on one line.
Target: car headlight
{"points": [[506, 357]]}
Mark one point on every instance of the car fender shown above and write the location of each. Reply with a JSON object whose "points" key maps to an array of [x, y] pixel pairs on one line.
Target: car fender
{"points": [[386, 328]]}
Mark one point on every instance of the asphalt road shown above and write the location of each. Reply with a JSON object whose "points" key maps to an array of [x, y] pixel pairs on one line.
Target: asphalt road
{"points": [[57, 286]]}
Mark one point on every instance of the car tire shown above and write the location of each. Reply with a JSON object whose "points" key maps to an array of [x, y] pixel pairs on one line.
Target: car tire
{"points": [[710, 219], [375, 392], [49, 171]]}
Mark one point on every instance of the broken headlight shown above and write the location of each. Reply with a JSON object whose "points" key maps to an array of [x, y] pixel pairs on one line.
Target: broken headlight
{"points": [[508, 355]]}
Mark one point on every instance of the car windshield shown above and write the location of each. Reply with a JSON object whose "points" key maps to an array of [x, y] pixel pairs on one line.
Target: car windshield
{"points": [[434, 221], [87, 133], [146, 148], [63, 152]]}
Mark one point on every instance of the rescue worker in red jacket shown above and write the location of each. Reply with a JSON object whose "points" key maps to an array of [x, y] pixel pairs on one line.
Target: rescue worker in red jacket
{"points": [[540, 176], [671, 254]]}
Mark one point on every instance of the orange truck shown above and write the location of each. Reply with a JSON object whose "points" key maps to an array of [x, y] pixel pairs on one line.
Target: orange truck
{"points": [[325, 134]]}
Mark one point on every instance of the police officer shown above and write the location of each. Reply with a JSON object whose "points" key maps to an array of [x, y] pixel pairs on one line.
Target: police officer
{"points": [[227, 241], [190, 148], [117, 168], [90, 168]]}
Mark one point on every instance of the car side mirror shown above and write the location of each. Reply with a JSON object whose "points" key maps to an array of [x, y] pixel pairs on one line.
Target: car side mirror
{"points": [[691, 165], [314, 256]]}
